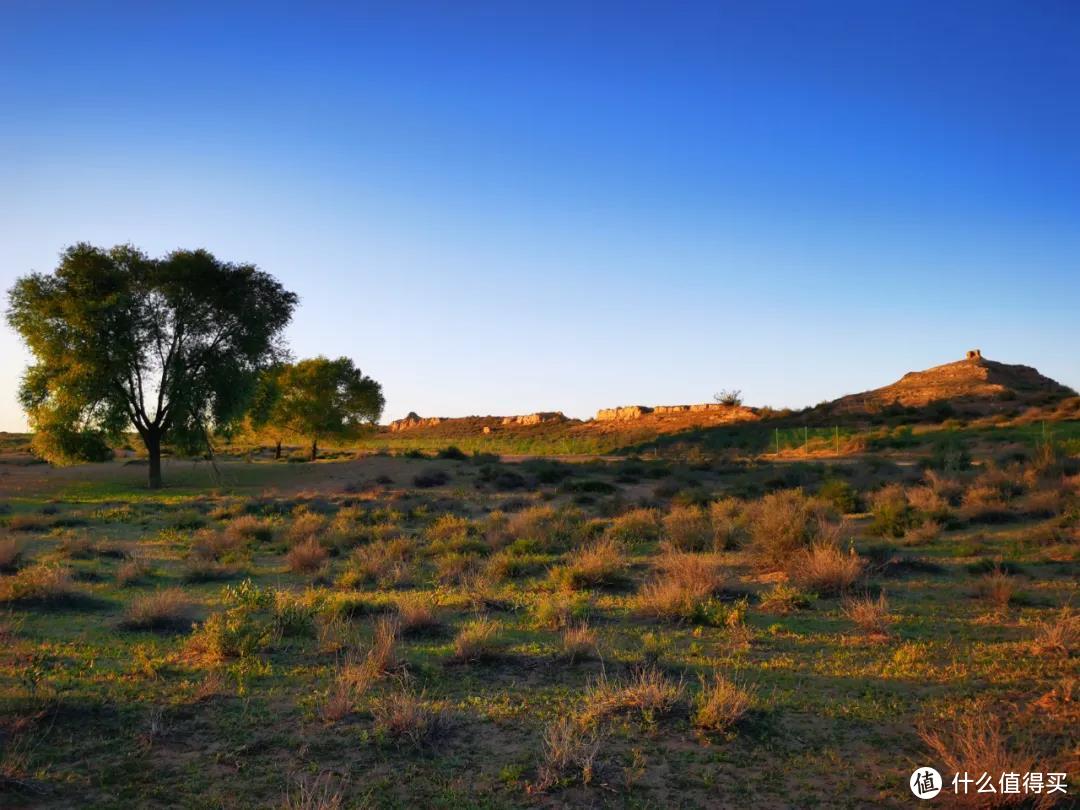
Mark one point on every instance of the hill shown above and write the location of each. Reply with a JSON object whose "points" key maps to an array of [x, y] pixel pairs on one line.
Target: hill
{"points": [[971, 381]]}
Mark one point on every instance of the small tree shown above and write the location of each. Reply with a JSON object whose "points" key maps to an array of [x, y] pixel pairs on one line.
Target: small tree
{"points": [[170, 347], [318, 398], [726, 397]]}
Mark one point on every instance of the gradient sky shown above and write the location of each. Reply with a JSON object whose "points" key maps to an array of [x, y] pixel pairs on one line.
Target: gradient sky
{"points": [[506, 207]]}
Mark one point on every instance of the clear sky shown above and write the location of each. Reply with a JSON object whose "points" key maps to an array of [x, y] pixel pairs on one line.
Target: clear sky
{"points": [[505, 207]]}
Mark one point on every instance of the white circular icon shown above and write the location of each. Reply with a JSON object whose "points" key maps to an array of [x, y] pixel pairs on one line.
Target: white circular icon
{"points": [[925, 783]]}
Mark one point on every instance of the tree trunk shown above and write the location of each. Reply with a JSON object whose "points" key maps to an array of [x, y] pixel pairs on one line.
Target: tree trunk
{"points": [[314, 449], [277, 451], [153, 450]]}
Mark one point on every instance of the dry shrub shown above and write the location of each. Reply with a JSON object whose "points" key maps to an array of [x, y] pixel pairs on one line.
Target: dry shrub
{"points": [[417, 614], [27, 522], [406, 717], [477, 640], [976, 745], [783, 599], [635, 528], [825, 568], [42, 584], [545, 527], [683, 590], [556, 611], [351, 682], [507, 564], [452, 533], [200, 570], [384, 562], [248, 529], [997, 588], [948, 489], [1059, 635], [456, 568], [1043, 503], [167, 610], [780, 524], [721, 704], [928, 501], [579, 642], [382, 658], [892, 513], [926, 532], [76, 547], [319, 793], [11, 554], [305, 526], [306, 556], [648, 692], [983, 503], [870, 615], [210, 545], [728, 518], [570, 751], [603, 562], [131, 570], [687, 528]]}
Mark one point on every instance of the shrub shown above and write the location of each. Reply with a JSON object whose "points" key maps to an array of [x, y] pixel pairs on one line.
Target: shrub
{"points": [[200, 570], [721, 704], [559, 610], [452, 453], [306, 557], [248, 528], [131, 571], [635, 528], [601, 563], [976, 745], [926, 532], [997, 588], [825, 568], [383, 562], [870, 615], [648, 692], [76, 547], [840, 495], [569, 748], [417, 614], [891, 511], [42, 584], [683, 590], [431, 478], [477, 640], [578, 642], [11, 554], [728, 519], [545, 527], [207, 544], [1059, 635], [167, 610], [982, 503], [507, 564], [26, 522], [781, 524], [783, 599], [406, 717], [687, 528], [451, 533]]}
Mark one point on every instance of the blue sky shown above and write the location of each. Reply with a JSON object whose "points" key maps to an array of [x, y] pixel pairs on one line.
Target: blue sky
{"points": [[508, 207]]}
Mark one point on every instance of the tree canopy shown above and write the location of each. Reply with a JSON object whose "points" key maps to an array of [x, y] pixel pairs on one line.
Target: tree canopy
{"points": [[171, 347], [317, 398]]}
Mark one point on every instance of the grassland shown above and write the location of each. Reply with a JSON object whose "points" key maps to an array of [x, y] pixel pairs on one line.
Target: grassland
{"points": [[701, 629]]}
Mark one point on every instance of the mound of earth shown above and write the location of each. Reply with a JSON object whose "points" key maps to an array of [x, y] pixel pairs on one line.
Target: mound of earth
{"points": [[973, 379]]}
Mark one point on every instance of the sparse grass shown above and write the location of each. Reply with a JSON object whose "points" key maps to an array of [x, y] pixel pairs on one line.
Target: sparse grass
{"points": [[997, 588], [1058, 635], [569, 751]]}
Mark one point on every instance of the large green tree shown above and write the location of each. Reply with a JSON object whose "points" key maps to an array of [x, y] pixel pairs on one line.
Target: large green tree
{"points": [[171, 347], [318, 398]]}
